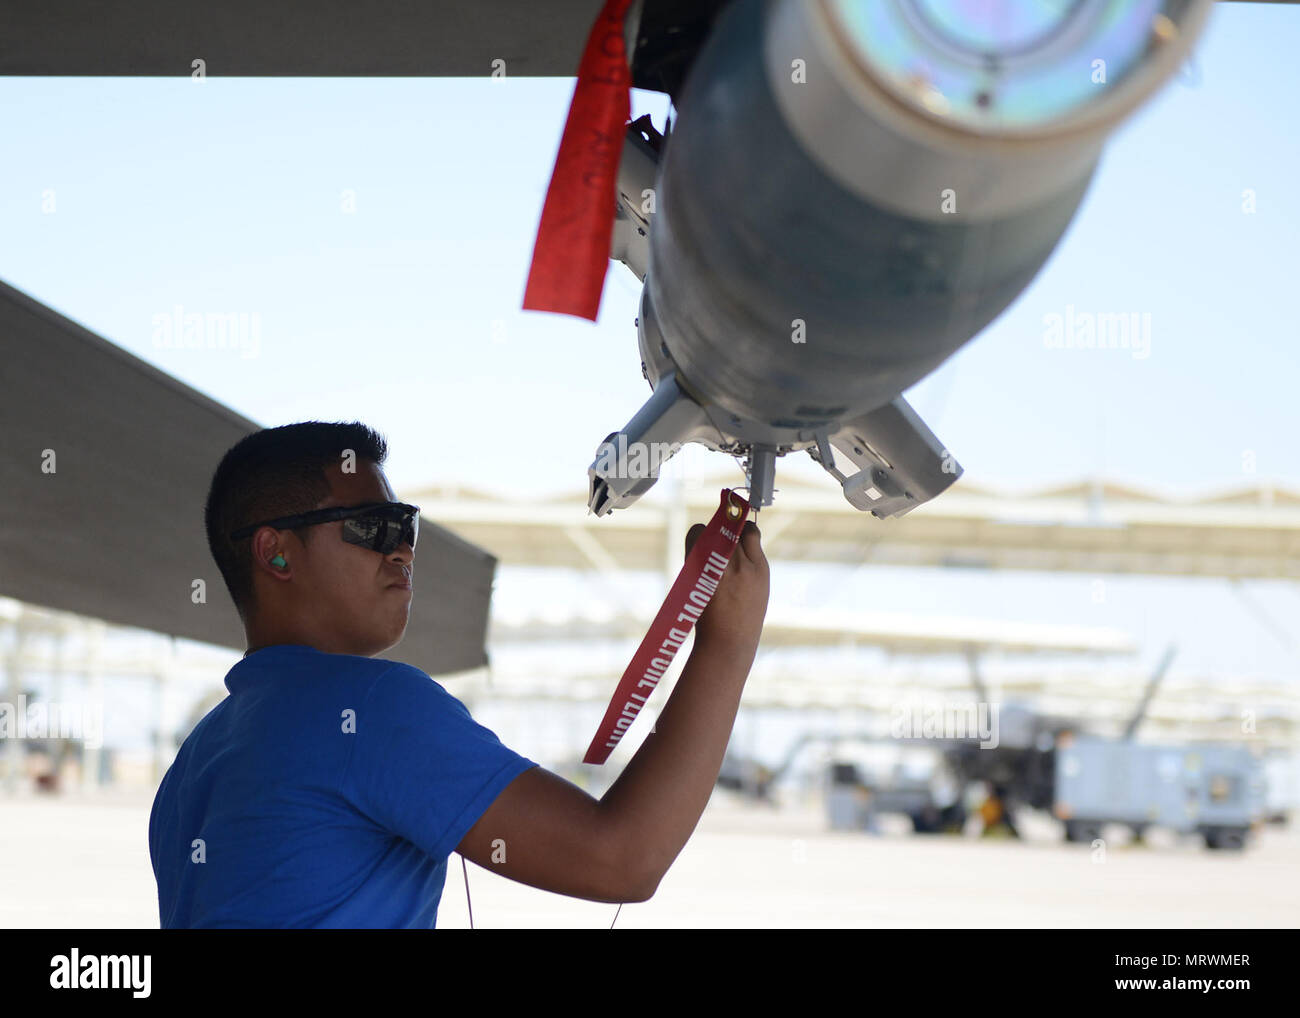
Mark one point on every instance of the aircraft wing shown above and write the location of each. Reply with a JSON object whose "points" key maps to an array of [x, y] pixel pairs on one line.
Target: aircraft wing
{"points": [[106, 469], [317, 38]]}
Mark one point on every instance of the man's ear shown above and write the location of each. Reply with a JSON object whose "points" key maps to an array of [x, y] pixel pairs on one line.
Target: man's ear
{"points": [[265, 546], [693, 535]]}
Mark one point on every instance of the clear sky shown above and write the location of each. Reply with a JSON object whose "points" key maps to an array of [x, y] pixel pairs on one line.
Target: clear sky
{"points": [[231, 196]]}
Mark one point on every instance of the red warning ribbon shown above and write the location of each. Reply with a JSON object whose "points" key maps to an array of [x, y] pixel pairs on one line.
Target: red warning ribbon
{"points": [[571, 254], [688, 597]]}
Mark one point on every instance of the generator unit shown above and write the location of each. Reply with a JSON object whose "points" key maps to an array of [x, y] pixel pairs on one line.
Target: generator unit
{"points": [[1214, 790]]}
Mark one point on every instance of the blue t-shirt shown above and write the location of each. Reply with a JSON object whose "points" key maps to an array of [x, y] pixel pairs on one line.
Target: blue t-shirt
{"points": [[327, 790]]}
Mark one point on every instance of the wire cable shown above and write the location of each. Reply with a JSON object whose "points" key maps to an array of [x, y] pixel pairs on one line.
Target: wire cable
{"points": [[465, 870]]}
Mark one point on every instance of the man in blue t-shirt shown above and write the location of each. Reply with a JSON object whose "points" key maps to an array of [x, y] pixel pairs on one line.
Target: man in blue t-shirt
{"points": [[329, 788]]}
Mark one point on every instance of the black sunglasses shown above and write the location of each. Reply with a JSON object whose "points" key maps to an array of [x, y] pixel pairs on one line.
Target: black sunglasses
{"points": [[379, 526]]}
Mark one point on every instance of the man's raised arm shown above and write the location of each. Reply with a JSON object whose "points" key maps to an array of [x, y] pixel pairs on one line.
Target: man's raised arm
{"points": [[545, 831]]}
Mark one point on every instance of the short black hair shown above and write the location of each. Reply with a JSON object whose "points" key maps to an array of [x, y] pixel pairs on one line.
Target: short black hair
{"points": [[271, 473]]}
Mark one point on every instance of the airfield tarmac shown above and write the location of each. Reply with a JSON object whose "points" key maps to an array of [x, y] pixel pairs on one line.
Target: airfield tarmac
{"points": [[84, 863]]}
